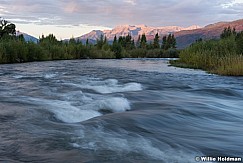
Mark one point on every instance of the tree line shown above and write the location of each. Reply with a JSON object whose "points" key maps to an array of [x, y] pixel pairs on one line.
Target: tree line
{"points": [[14, 49]]}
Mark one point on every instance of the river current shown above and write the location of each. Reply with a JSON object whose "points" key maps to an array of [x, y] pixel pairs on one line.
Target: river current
{"points": [[129, 110]]}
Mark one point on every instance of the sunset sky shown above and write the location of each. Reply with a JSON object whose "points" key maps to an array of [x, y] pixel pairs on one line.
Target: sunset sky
{"points": [[67, 18]]}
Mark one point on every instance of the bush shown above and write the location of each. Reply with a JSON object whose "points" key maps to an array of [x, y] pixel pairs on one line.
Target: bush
{"points": [[217, 56]]}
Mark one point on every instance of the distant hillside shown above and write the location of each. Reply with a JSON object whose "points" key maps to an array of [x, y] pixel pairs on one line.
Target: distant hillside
{"points": [[184, 36], [27, 37], [187, 37], [134, 31]]}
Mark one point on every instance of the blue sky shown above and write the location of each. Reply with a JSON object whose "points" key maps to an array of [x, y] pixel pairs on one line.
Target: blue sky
{"points": [[67, 18]]}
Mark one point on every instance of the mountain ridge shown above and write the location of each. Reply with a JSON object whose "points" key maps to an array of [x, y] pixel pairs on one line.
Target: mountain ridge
{"points": [[27, 37], [185, 36], [134, 31], [211, 31]]}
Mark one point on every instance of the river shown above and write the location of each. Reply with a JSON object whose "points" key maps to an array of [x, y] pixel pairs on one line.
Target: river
{"points": [[129, 110]]}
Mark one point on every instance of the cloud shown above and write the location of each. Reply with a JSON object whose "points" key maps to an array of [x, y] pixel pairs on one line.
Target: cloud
{"points": [[110, 13], [131, 2], [71, 7]]}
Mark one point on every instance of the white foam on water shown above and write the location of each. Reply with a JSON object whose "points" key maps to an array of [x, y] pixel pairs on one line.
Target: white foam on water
{"points": [[69, 113], [49, 76], [137, 144], [124, 143], [77, 106], [73, 114], [46, 76], [114, 104], [109, 86], [18, 76], [65, 112]]}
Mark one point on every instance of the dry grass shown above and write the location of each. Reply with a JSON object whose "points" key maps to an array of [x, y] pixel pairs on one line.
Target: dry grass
{"points": [[215, 56], [231, 66]]}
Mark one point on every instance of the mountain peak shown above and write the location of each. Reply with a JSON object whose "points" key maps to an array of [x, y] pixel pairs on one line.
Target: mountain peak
{"points": [[142, 25], [135, 31], [192, 27], [27, 37]]}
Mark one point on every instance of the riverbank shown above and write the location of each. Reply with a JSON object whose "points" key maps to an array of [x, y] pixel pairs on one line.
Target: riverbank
{"points": [[222, 57], [228, 66]]}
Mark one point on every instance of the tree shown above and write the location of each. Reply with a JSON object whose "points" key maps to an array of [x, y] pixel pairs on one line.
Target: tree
{"points": [[7, 28], [227, 32], [169, 42], [133, 44], [50, 39], [117, 49], [199, 40], [239, 42], [138, 45], [20, 38], [173, 42], [115, 40], [164, 43], [156, 41], [128, 42], [122, 41], [100, 42], [143, 42], [105, 40], [87, 42], [72, 41]]}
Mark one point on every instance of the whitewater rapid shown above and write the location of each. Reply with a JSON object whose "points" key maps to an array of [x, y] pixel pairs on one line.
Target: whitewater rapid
{"points": [[131, 110]]}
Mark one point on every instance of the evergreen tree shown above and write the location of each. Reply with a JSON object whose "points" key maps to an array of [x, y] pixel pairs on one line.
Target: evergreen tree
{"points": [[199, 40], [164, 43], [228, 32], [100, 42], [72, 41], [173, 42], [117, 49], [138, 45], [169, 41], [51, 39], [105, 40], [150, 46], [87, 42], [115, 40], [20, 38], [121, 41], [143, 42], [133, 44], [156, 41], [128, 42]]}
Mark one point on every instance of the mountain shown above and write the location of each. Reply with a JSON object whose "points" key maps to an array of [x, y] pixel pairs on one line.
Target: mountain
{"points": [[212, 31], [27, 37], [134, 31], [184, 36]]}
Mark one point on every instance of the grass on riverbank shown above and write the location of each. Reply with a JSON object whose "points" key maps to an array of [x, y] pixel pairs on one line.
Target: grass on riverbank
{"points": [[221, 57], [228, 66]]}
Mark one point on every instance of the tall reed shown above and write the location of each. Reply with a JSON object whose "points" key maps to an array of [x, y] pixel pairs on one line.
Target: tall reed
{"points": [[215, 56]]}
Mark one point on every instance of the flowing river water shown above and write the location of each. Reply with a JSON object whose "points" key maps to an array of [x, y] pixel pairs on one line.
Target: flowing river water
{"points": [[130, 110]]}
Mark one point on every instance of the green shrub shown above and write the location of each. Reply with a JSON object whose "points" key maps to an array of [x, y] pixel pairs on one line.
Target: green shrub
{"points": [[216, 56]]}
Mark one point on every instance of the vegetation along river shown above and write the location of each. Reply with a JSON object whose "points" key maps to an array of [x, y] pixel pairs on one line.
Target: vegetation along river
{"points": [[129, 110]]}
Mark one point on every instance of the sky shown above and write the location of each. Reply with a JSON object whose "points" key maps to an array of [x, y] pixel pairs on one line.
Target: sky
{"points": [[73, 18]]}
